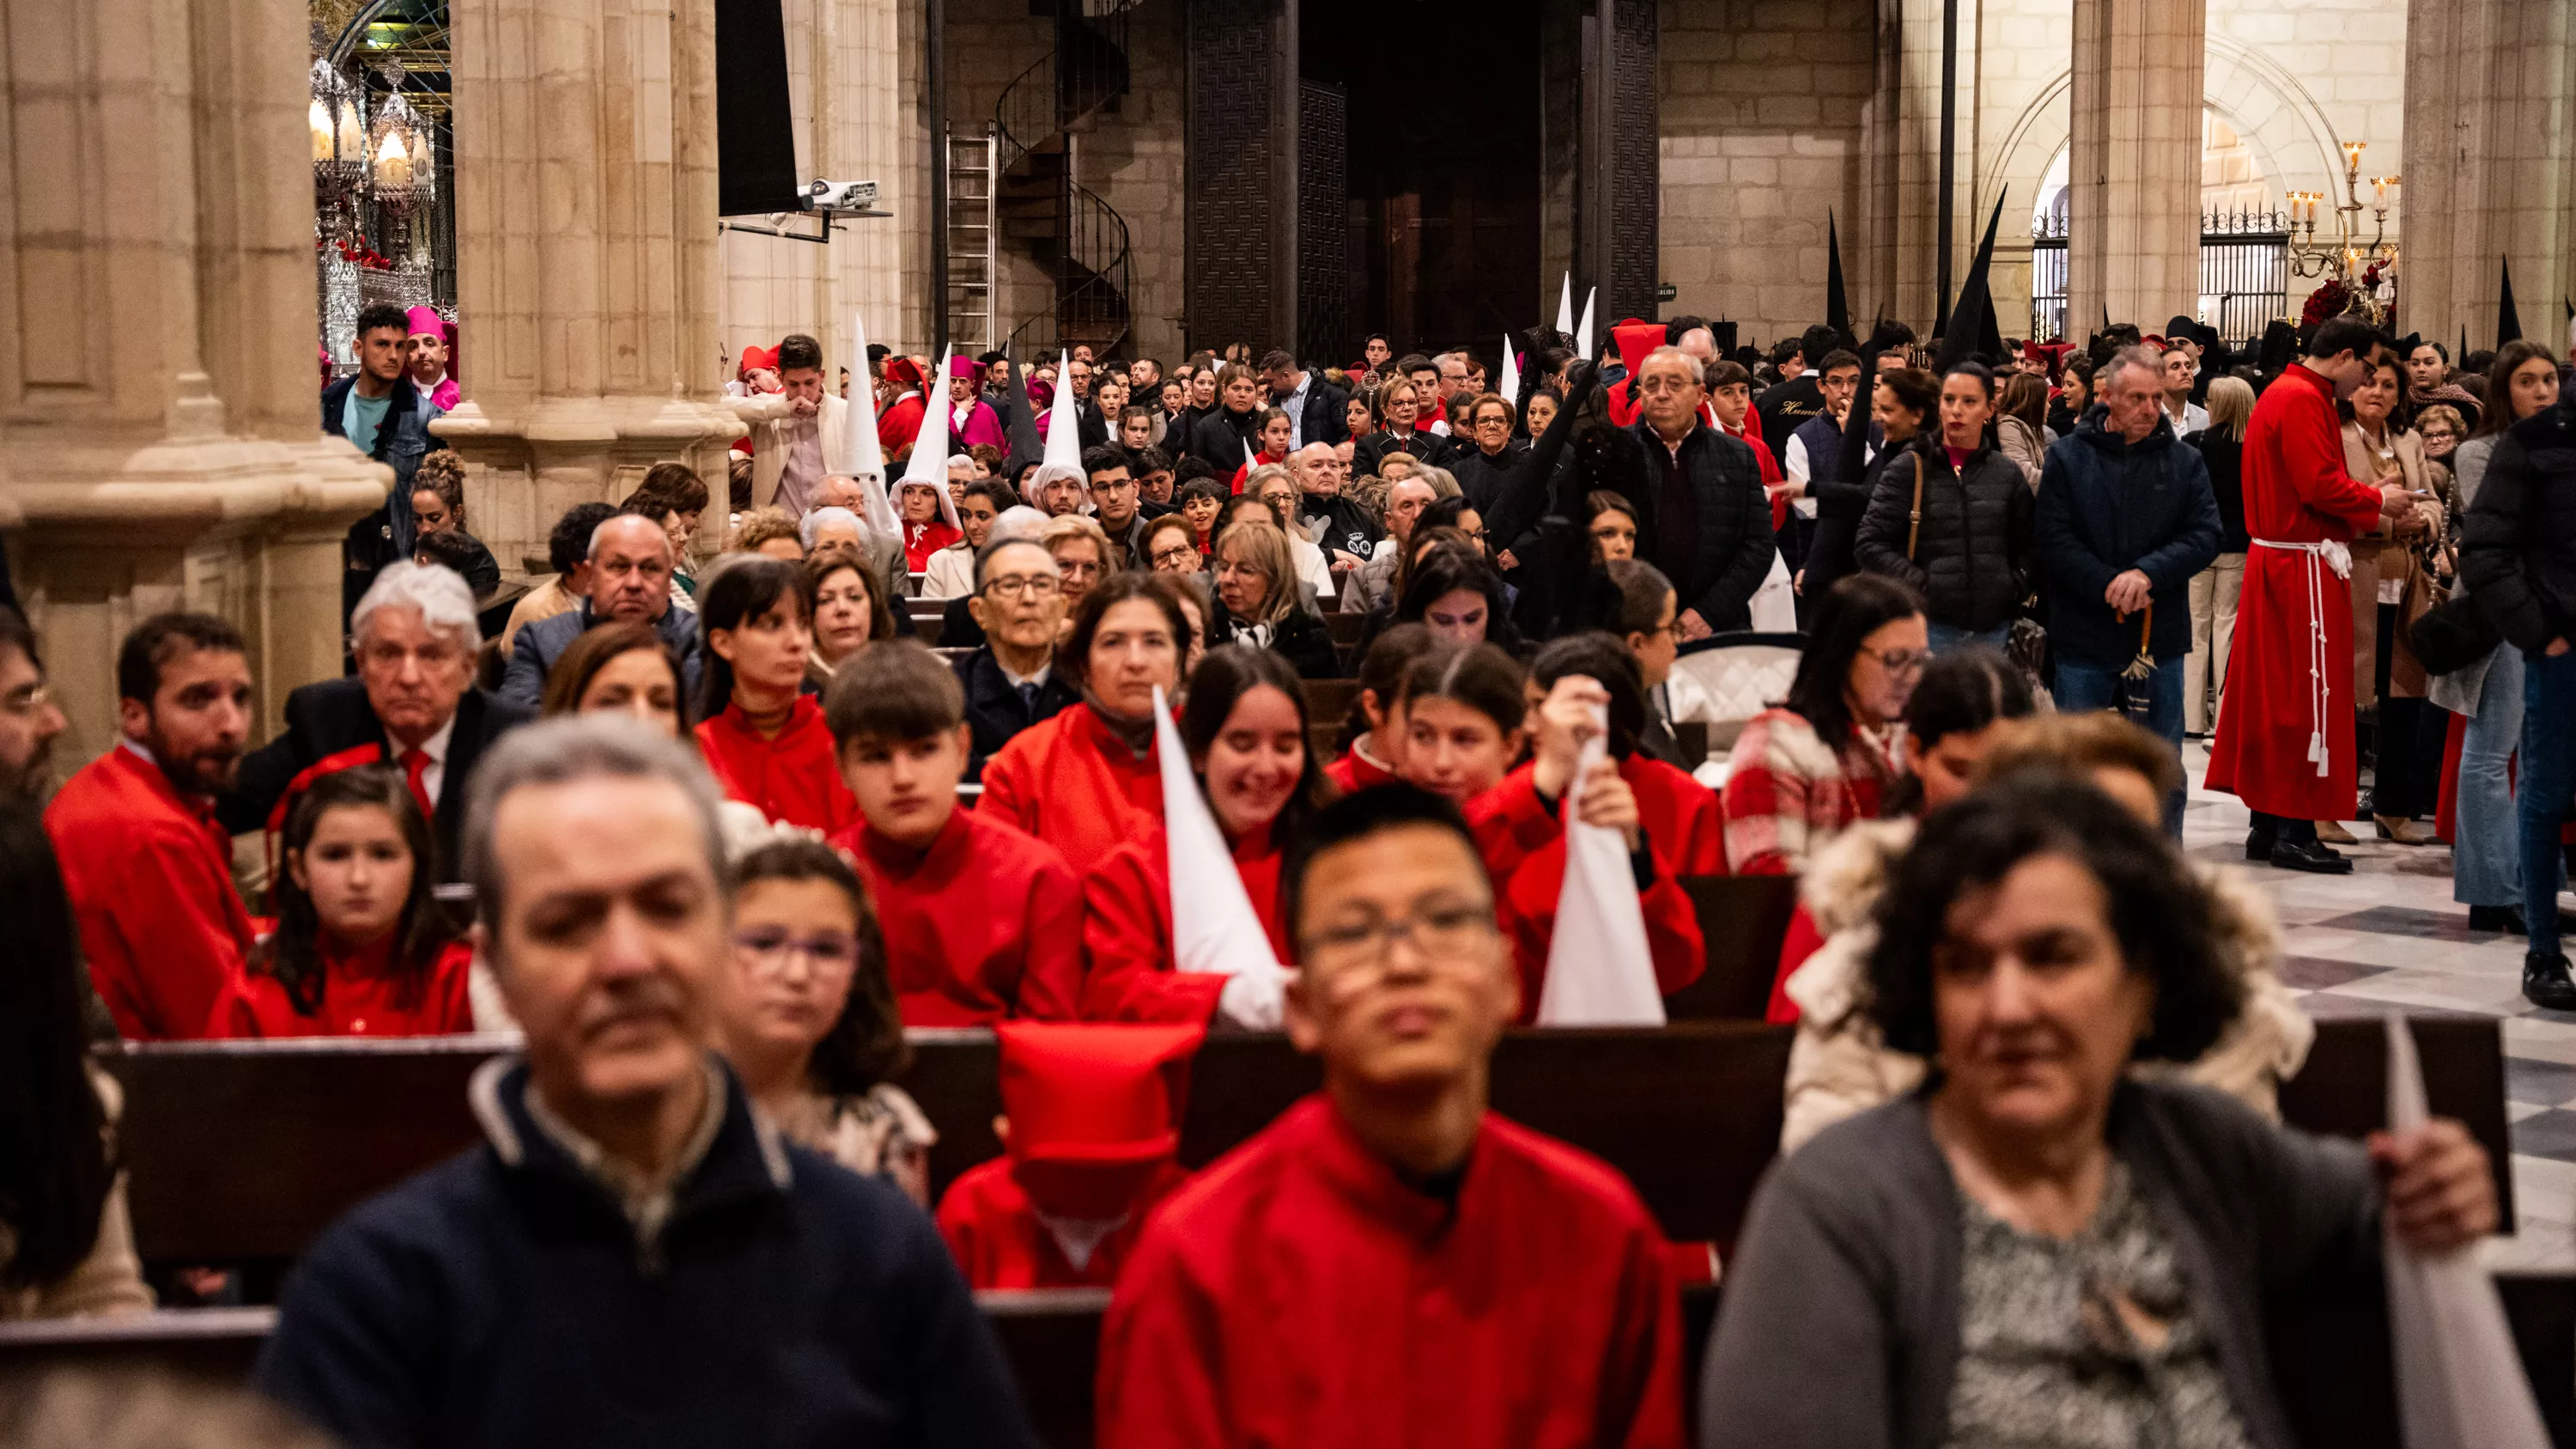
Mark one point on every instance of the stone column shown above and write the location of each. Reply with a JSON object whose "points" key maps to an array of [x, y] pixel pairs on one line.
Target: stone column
{"points": [[586, 256], [160, 442], [2490, 168], [2133, 168]]}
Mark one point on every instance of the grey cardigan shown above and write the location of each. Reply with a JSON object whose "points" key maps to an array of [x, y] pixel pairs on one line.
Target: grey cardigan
{"points": [[1839, 1321]]}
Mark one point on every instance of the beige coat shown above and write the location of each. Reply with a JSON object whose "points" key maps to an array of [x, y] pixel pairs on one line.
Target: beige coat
{"points": [[768, 416], [110, 1279], [1838, 1066], [2382, 556]]}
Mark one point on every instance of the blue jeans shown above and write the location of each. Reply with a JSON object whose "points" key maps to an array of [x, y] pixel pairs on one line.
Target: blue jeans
{"points": [[2486, 854], [2158, 697], [2548, 786], [1946, 637]]}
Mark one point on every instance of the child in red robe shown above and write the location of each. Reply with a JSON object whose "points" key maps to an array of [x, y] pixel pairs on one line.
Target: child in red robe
{"points": [[1089, 1131], [1379, 709], [1390, 1263], [764, 740], [981, 921], [929, 523]]}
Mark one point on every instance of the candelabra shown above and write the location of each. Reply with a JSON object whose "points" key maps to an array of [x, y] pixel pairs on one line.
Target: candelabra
{"points": [[2365, 270]]}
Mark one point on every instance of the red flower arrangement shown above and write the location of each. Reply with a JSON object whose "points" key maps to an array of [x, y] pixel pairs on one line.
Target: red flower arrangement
{"points": [[357, 252], [2331, 300]]}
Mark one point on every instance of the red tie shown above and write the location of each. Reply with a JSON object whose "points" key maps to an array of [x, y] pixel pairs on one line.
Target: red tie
{"points": [[415, 763]]}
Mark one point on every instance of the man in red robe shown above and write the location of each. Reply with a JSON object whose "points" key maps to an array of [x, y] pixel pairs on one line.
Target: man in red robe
{"points": [[981, 921], [1089, 1132], [148, 869], [1390, 1263], [2285, 732]]}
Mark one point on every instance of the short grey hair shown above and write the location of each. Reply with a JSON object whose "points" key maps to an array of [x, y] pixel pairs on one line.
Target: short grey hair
{"points": [[1698, 373], [2135, 355], [1253, 480], [1444, 484], [570, 748], [445, 601], [812, 527], [1018, 523], [614, 519], [993, 546]]}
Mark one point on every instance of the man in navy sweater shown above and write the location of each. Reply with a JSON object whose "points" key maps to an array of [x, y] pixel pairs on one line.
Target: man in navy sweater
{"points": [[631, 1258]]}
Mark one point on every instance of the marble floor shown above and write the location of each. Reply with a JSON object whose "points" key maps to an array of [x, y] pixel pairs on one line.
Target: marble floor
{"points": [[2388, 936]]}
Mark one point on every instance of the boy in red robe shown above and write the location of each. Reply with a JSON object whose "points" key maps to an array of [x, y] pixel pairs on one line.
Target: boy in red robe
{"points": [[1089, 1133], [1390, 1263], [2285, 734], [148, 870], [981, 921]]}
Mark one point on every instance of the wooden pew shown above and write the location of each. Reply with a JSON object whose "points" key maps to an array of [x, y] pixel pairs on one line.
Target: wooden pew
{"points": [[1328, 701], [2342, 1090], [1742, 919], [1344, 629]]}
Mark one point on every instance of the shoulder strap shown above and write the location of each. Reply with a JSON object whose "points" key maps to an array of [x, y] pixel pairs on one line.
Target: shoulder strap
{"points": [[1914, 525]]}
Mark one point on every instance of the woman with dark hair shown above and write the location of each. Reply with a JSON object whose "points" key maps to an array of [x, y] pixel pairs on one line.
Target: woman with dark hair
{"points": [[1900, 401], [1229, 427], [1460, 599], [1244, 724], [1611, 521], [763, 737], [623, 667], [1953, 520], [361, 948], [1806, 768], [2021, 420], [1256, 598], [848, 614], [1373, 736], [66, 1249], [810, 1023], [2055, 1250], [1085, 780]]}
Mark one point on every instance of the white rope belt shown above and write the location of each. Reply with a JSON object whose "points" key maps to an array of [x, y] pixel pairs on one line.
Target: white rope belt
{"points": [[2321, 556]]}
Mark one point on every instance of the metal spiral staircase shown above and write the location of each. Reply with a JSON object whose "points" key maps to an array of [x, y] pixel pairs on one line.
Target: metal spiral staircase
{"points": [[1038, 206]]}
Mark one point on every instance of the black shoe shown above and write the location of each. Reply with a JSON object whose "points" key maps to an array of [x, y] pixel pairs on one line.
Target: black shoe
{"points": [[2504, 920], [2545, 982], [2311, 857], [2258, 845]]}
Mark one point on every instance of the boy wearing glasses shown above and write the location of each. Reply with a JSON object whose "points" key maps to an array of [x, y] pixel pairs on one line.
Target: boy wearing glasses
{"points": [[1011, 682], [982, 922], [1390, 1262]]}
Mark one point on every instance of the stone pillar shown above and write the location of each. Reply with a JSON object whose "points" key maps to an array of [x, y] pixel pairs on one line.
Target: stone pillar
{"points": [[586, 257], [160, 442], [2133, 168], [2490, 168]]}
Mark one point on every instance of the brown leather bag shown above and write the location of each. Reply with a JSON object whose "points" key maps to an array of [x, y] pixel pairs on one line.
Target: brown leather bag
{"points": [[1914, 524]]}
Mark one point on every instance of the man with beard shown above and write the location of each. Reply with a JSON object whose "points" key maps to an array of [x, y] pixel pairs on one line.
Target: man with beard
{"points": [[29, 718], [148, 869]]}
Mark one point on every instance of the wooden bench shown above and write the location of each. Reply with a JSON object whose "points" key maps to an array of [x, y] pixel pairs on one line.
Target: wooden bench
{"points": [[1742, 921], [1343, 628], [1329, 701]]}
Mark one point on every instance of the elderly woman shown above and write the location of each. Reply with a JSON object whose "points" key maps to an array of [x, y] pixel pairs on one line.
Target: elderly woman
{"points": [[1256, 596], [2037, 1248]]}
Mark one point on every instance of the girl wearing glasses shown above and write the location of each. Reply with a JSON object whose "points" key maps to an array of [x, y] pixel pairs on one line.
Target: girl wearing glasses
{"points": [[809, 1018]]}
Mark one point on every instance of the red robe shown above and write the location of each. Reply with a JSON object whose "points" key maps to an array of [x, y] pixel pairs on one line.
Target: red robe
{"points": [[1127, 931], [993, 1232], [1073, 783], [794, 779], [921, 540], [151, 884], [899, 427], [2293, 647], [1244, 470], [1769, 466], [1298, 1292], [360, 997], [1355, 771], [985, 924]]}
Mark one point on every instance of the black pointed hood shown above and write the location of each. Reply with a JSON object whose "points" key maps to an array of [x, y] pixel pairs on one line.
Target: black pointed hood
{"points": [[1837, 304], [2508, 318], [1018, 422], [1971, 320]]}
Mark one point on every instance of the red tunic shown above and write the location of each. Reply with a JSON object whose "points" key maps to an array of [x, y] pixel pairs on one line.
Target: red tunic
{"points": [[994, 1233], [360, 997], [985, 924], [1127, 931], [1299, 1292], [899, 427], [2294, 620], [1244, 470], [921, 540], [1355, 771], [794, 779], [151, 885], [1073, 783]]}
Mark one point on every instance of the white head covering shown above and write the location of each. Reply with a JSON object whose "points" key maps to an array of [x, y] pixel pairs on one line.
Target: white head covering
{"points": [[1565, 306], [1214, 928], [1064, 424], [1599, 969], [1511, 388], [862, 457], [1583, 330]]}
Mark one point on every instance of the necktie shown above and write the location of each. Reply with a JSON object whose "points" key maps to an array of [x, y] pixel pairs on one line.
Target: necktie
{"points": [[415, 764], [1029, 701]]}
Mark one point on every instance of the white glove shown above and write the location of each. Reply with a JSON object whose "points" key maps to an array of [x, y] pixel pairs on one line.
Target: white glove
{"points": [[1255, 1000]]}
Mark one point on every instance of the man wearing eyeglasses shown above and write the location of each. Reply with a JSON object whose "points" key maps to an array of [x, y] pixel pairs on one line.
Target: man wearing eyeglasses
{"points": [[1390, 1261], [412, 706], [1011, 682], [1110, 481], [29, 718]]}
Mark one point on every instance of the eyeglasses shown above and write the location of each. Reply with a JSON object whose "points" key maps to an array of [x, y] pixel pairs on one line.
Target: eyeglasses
{"points": [[1441, 935], [768, 950], [1040, 586], [1177, 553], [1900, 661]]}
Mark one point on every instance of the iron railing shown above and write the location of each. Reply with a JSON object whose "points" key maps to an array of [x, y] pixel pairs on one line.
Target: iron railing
{"points": [[2244, 274], [1085, 243]]}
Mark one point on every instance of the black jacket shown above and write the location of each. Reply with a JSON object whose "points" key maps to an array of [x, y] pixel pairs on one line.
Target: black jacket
{"points": [[1784, 407], [1482, 478], [401, 440], [1733, 522], [502, 1299], [1839, 507], [326, 718], [1327, 412], [957, 626], [995, 711], [1348, 526], [1300, 638], [2107, 505], [2519, 549], [2225, 457], [1219, 439], [1971, 562], [1368, 455]]}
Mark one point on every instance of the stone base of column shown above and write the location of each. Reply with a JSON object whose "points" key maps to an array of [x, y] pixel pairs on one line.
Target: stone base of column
{"points": [[102, 537], [524, 468]]}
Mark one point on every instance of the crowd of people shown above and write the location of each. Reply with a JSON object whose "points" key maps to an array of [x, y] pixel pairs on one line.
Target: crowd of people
{"points": [[730, 820]]}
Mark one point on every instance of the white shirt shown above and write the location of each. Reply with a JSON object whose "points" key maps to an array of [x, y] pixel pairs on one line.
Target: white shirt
{"points": [[801, 472], [1021, 681], [1311, 567], [1294, 405]]}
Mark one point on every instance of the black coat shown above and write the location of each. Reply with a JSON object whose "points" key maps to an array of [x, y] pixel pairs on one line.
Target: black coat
{"points": [[1971, 562], [1300, 638], [995, 711], [2106, 506], [326, 718], [1839, 507], [1327, 410], [957, 626], [2519, 549], [2225, 458], [1368, 455], [1733, 522], [1220, 440]]}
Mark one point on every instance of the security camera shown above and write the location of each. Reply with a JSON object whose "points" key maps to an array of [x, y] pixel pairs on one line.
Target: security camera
{"points": [[841, 196]]}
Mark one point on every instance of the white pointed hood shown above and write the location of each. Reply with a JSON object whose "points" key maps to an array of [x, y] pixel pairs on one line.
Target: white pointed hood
{"points": [[1600, 971], [1214, 927], [1565, 306], [861, 455], [1583, 329], [1510, 391], [1064, 424]]}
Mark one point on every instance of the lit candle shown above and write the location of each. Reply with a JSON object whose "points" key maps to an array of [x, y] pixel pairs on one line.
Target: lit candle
{"points": [[319, 118], [2379, 185], [2352, 153], [353, 140], [393, 164]]}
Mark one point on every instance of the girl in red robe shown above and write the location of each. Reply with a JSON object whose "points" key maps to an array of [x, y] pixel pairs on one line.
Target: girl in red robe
{"points": [[1378, 711], [361, 948], [1086, 781], [1245, 728], [764, 739], [1276, 436], [929, 523]]}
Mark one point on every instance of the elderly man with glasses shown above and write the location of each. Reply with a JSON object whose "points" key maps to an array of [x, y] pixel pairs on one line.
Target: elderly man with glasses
{"points": [[1011, 682]]}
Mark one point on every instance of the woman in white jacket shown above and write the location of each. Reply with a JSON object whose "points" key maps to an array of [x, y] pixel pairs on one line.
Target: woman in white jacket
{"points": [[951, 574]]}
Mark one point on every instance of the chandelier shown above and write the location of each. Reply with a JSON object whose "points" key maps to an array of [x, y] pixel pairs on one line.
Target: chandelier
{"points": [[2365, 271], [338, 122], [375, 178]]}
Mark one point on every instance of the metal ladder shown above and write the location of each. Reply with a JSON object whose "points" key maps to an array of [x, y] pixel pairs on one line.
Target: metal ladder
{"points": [[971, 277]]}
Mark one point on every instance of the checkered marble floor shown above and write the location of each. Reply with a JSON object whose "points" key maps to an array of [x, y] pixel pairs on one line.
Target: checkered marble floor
{"points": [[2388, 936]]}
